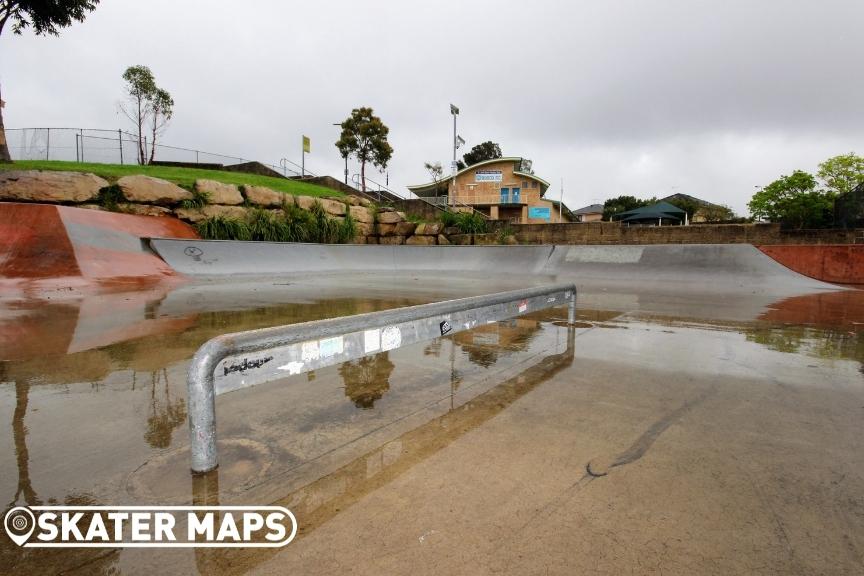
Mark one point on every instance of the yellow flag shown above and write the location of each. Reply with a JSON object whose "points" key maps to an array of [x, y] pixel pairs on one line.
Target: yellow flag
{"points": [[307, 144]]}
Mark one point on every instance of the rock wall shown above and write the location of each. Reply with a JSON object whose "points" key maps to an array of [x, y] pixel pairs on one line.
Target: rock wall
{"points": [[147, 196]]}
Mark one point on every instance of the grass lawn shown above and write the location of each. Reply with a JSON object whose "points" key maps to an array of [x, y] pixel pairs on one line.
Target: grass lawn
{"points": [[181, 176]]}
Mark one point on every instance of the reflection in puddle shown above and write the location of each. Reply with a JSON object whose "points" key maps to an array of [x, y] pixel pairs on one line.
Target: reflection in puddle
{"points": [[92, 401], [367, 379]]}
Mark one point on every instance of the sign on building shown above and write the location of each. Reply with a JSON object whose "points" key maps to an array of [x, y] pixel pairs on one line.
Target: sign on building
{"points": [[488, 176], [539, 213]]}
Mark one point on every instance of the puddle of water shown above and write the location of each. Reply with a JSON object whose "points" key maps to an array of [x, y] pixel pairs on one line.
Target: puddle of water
{"points": [[93, 410]]}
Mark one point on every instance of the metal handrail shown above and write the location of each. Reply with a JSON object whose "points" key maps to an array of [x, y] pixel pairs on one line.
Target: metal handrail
{"points": [[243, 359]]}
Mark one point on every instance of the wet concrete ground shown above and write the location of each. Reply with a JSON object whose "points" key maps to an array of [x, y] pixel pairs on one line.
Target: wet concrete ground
{"points": [[664, 434]]}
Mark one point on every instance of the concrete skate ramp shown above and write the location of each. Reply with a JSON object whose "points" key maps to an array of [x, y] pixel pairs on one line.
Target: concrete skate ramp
{"points": [[219, 258], [49, 248], [709, 268]]}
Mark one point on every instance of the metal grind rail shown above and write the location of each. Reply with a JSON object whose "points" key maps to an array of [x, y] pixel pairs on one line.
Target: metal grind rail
{"points": [[233, 361]]}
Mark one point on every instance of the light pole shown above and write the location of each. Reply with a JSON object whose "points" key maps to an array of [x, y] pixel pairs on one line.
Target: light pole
{"points": [[455, 112], [346, 156]]}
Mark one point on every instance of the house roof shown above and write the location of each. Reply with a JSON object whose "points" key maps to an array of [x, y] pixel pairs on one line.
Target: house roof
{"points": [[687, 197], [432, 186], [592, 209], [566, 210]]}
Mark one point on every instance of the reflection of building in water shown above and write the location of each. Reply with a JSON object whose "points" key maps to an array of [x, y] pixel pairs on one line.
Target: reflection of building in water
{"points": [[484, 344], [367, 379], [166, 414]]}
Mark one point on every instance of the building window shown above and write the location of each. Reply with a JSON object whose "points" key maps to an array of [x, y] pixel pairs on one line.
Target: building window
{"points": [[533, 184], [524, 183]]}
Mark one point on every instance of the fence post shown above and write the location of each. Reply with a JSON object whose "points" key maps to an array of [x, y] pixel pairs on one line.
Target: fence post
{"points": [[48, 145], [81, 131], [76, 149], [120, 140], [196, 156]]}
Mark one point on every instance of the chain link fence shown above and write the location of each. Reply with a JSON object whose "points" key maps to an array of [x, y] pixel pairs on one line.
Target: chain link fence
{"points": [[116, 147]]}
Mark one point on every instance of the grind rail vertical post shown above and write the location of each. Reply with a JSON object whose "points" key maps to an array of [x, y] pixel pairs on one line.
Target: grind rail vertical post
{"points": [[243, 359]]}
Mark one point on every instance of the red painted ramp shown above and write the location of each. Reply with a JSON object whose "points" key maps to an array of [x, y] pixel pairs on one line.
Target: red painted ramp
{"points": [[837, 263], [50, 248]]}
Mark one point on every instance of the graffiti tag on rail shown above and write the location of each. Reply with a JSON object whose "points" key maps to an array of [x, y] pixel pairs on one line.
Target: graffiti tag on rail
{"points": [[247, 365]]}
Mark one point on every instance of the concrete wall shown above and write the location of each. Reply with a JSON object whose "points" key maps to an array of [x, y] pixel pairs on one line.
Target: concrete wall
{"points": [[615, 233]]}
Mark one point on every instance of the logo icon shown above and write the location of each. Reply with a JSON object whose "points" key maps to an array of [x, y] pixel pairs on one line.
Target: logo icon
{"points": [[19, 523], [445, 327]]}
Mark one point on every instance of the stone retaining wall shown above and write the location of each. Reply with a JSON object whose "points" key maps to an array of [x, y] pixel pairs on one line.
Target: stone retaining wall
{"points": [[147, 196]]}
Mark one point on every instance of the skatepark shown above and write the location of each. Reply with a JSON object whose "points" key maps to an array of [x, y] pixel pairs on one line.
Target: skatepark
{"points": [[705, 393]]}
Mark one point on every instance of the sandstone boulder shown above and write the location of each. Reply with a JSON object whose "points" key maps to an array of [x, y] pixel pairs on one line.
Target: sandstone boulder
{"points": [[219, 192], [461, 239], [389, 217], [421, 240], [443, 241], [236, 212], [261, 196], [48, 186], [371, 239], [366, 202], [428, 229], [450, 230], [143, 209], [305, 202], [511, 240], [333, 207], [192, 215], [393, 240], [405, 228], [365, 228], [386, 229], [386, 209], [352, 200], [210, 211], [361, 214], [148, 190]]}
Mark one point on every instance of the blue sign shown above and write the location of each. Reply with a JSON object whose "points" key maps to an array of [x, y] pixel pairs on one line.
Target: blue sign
{"points": [[539, 213]]}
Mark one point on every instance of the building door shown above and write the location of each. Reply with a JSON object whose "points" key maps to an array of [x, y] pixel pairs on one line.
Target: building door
{"points": [[515, 197], [505, 195]]}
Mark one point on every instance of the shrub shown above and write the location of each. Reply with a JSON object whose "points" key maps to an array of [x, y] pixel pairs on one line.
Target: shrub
{"points": [[199, 200], [299, 224], [266, 226], [223, 228], [503, 233], [448, 218], [471, 223], [347, 229], [110, 196]]}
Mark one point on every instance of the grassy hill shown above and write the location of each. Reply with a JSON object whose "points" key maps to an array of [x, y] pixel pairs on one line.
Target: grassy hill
{"points": [[184, 177]]}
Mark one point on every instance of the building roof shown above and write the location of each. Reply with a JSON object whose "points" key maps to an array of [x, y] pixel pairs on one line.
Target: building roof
{"points": [[665, 209], [432, 186], [566, 210], [592, 209], [650, 216]]}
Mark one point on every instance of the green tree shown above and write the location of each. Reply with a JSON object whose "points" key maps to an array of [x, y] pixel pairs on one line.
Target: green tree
{"points": [[486, 151], [161, 110], [46, 17], [364, 136], [843, 173], [147, 106], [619, 204], [436, 171], [794, 201]]}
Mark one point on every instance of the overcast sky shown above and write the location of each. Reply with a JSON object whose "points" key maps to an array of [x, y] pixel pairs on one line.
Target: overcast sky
{"points": [[615, 97]]}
